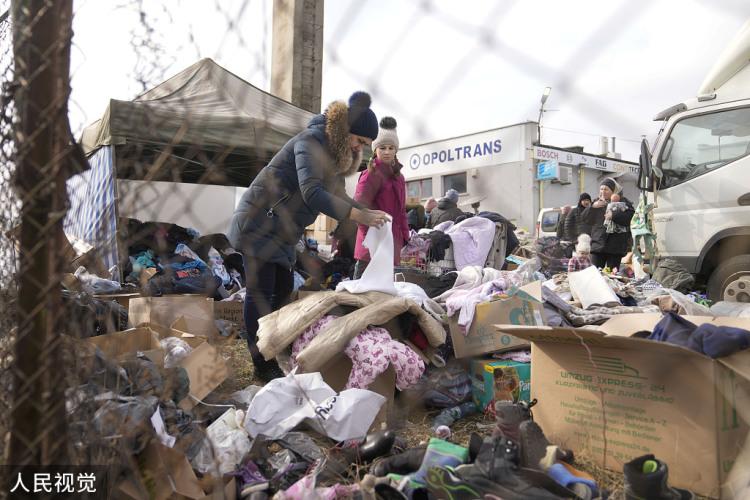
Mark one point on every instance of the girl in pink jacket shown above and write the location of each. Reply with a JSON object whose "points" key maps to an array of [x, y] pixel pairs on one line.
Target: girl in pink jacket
{"points": [[383, 187]]}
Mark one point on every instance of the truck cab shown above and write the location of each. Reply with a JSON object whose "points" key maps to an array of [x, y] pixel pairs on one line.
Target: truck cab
{"points": [[698, 177]]}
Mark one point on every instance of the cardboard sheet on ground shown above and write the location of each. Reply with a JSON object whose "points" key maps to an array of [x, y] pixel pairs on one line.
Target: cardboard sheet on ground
{"points": [[284, 403], [589, 287], [378, 276]]}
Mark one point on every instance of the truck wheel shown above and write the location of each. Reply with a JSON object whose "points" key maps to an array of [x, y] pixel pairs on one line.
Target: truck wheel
{"points": [[729, 273]]}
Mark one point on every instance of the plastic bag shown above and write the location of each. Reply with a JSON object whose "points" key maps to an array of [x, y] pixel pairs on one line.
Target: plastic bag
{"points": [[216, 264], [175, 350], [732, 309], [94, 284], [228, 441], [638, 272], [286, 402], [527, 272], [246, 395]]}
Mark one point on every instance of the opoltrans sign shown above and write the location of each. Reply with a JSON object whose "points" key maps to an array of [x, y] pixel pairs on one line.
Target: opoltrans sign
{"points": [[477, 150]]}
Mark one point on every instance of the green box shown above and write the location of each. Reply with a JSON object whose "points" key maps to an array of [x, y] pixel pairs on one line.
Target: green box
{"points": [[499, 380]]}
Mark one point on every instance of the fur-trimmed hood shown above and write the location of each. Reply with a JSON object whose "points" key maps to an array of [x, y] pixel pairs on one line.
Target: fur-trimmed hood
{"points": [[335, 123]]}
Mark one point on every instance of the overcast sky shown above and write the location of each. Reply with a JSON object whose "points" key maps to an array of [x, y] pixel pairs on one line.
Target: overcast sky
{"points": [[442, 68]]}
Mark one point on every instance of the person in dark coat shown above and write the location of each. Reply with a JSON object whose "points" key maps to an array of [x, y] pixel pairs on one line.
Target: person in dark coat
{"points": [[608, 249], [573, 225], [447, 209], [305, 178], [560, 232]]}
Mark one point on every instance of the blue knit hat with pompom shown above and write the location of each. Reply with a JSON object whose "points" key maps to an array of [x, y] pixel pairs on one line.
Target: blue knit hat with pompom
{"points": [[362, 120]]}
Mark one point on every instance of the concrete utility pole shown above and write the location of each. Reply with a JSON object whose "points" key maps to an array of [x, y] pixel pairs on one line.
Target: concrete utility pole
{"points": [[297, 59]]}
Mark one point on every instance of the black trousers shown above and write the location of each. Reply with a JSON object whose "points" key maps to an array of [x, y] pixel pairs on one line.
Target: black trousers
{"points": [[610, 260], [268, 289]]}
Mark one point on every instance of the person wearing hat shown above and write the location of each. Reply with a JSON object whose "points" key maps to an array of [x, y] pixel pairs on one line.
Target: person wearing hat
{"points": [[608, 249], [447, 209], [573, 224], [305, 178], [383, 187]]}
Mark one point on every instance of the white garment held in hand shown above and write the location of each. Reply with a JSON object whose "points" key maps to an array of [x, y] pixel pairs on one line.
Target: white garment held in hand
{"points": [[378, 275]]}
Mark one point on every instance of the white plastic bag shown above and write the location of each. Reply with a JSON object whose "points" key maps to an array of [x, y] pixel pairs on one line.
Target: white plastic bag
{"points": [[93, 284], [216, 263], [638, 272], [378, 275], [229, 441], [589, 287], [175, 350], [286, 402]]}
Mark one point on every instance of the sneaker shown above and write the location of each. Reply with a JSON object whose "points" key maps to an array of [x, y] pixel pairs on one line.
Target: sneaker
{"points": [[647, 478], [494, 473], [267, 370], [533, 444], [251, 479], [404, 463], [510, 416]]}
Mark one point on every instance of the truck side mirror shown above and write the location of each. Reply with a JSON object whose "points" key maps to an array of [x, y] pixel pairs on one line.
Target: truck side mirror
{"points": [[645, 180]]}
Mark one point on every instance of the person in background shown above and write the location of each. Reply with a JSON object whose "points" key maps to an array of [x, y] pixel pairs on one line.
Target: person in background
{"points": [[429, 206], [305, 178], [582, 257], [382, 187], [447, 209], [608, 249], [574, 225], [564, 211]]}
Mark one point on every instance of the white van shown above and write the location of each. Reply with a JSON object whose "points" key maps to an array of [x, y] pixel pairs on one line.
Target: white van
{"points": [[547, 221], [698, 175]]}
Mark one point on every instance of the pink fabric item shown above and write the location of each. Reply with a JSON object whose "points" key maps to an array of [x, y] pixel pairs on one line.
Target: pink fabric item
{"points": [[373, 350], [380, 190], [310, 333]]}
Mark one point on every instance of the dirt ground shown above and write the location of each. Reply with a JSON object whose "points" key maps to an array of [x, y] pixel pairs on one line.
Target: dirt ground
{"points": [[414, 426]]}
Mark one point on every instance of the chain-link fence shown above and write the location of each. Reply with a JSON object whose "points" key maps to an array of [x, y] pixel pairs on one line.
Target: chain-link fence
{"points": [[138, 201]]}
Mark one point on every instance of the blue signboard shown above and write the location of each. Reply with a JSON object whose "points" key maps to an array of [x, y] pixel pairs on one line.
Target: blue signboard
{"points": [[547, 170]]}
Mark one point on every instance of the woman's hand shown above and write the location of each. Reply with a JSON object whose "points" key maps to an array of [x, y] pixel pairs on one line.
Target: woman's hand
{"points": [[367, 217], [599, 203]]}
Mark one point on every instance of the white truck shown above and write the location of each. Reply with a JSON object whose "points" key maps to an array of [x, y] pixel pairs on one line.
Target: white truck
{"points": [[698, 177]]}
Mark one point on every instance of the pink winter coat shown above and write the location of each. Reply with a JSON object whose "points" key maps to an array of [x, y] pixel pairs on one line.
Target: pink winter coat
{"points": [[379, 189]]}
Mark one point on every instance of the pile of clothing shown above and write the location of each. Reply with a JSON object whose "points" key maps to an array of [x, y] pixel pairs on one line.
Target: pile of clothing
{"points": [[167, 258], [482, 240]]}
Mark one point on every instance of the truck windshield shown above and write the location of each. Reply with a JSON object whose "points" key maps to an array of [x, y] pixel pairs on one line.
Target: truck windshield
{"points": [[703, 143]]}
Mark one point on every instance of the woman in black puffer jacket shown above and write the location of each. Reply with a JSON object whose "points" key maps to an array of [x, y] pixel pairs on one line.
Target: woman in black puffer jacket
{"points": [[608, 249]]}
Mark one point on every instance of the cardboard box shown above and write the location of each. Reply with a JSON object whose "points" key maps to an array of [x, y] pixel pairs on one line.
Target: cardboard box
{"points": [[499, 380], [524, 308], [122, 298], [606, 390], [197, 327], [336, 373], [230, 311], [205, 367], [196, 309]]}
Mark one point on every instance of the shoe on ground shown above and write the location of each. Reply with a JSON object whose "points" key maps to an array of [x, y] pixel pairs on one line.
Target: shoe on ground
{"points": [[509, 417], [267, 370], [404, 463], [251, 479], [647, 478]]}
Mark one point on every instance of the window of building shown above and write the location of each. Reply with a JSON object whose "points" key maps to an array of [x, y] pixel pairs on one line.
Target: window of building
{"points": [[421, 188], [455, 181]]}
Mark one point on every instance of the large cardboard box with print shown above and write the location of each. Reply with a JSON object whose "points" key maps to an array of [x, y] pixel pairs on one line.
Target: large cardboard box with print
{"points": [[523, 308], [614, 397]]}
